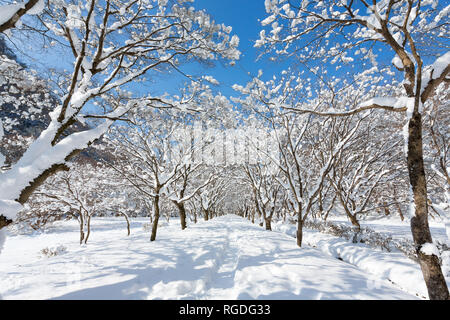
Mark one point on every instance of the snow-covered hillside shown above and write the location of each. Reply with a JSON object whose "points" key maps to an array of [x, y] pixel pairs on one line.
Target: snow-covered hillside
{"points": [[225, 258]]}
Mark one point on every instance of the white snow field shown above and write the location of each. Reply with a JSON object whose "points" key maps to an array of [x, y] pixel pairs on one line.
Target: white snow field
{"points": [[394, 266], [225, 258]]}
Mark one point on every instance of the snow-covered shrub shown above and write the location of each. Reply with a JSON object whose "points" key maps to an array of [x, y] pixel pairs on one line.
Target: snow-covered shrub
{"points": [[37, 216], [53, 251], [363, 235], [147, 227], [371, 238]]}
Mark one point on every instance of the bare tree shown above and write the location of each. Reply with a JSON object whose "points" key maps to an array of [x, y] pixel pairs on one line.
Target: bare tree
{"points": [[181, 189], [143, 156], [266, 190]]}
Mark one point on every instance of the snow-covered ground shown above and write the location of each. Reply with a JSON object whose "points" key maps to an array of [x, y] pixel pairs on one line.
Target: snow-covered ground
{"points": [[394, 267], [225, 258]]}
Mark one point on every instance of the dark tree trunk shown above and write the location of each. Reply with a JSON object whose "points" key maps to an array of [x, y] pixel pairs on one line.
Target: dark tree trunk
{"points": [[431, 269], [81, 229], [354, 221], [128, 223], [269, 224], [182, 211], [400, 212], [4, 222], [386, 209], [398, 206], [156, 218], [351, 216], [320, 203], [11, 22], [206, 214], [299, 230]]}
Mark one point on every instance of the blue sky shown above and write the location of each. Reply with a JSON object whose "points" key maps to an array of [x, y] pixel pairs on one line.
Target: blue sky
{"points": [[243, 16]]}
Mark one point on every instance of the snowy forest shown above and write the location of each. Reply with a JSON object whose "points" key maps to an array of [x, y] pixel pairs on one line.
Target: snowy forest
{"points": [[150, 150]]}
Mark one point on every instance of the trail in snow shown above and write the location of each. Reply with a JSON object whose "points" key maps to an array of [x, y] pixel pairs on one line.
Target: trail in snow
{"points": [[225, 258]]}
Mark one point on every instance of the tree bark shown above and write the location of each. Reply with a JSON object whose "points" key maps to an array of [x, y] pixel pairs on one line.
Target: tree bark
{"points": [[351, 216], [386, 209], [4, 222], [182, 210], [354, 221], [156, 218], [88, 230], [11, 22], [398, 206], [269, 224], [299, 230], [431, 269], [128, 223], [81, 228]]}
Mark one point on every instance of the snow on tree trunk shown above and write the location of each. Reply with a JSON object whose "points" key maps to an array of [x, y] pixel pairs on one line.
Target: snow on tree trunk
{"points": [[431, 269]]}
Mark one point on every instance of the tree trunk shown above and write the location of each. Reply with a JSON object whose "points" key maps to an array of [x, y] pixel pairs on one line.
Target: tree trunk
{"points": [[206, 214], [88, 230], [398, 206], [386, 209], [81, 228], [351, 216], [400, 213], [156, 218], [320, 204], [4, 222], [354, 221], [299, 230], [182, 211], [431, 269], [128, 223], [269, 224]]}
